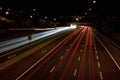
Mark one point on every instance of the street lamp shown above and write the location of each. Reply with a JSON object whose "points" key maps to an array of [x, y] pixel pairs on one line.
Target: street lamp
{"points": [[94, 1], [7, 12], [54, 19], [31, 16], [34, 9], [90, 9], [45, 17], [86, 13]]}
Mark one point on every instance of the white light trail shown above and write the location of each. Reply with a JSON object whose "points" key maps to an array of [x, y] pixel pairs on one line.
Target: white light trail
{"points": [[14, 43]]}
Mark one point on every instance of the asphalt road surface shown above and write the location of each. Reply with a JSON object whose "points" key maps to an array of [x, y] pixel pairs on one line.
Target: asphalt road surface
{"points": [[78, 54]]}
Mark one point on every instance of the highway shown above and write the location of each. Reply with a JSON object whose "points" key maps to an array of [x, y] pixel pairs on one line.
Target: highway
{"points": [[80, 53]]}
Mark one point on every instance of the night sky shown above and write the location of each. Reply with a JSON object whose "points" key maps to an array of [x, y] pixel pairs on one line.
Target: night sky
{"points": [[65, 7], [52, 7], [108, 7]]}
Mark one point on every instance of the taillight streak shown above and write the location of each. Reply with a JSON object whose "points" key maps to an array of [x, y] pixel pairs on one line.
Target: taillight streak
{"points": [[82, 64], [64, 57], [79, 38], [55, 49], [91, 64]]}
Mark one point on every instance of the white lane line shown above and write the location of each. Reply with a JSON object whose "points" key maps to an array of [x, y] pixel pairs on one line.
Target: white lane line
{"points": [[61, 57], [79, 58], [37, 62], [96, 51], [101, 76], [81, 50], [75, 71], [109, 53], [98, 64], [95, 47], [97, 57], [52, 69], [94, 44]]}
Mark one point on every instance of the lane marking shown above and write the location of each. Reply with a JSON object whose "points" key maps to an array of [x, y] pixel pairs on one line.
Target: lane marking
{"points": [[101, 77], [79, 58], [109, 40], [83, 58], [90, 58], [109, 53], [79, 38], [62, 42], [96, 51], [37, 62], [75, 71], [95, 47], [52, 69], [61, 57], [98, 64], [81, 50], [97, 57]]}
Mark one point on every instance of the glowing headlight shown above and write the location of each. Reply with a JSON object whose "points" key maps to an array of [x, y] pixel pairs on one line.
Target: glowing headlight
{"points": [[73, 26]]}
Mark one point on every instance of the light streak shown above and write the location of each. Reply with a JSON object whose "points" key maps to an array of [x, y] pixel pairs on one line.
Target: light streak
{"points": [[15, 43]]}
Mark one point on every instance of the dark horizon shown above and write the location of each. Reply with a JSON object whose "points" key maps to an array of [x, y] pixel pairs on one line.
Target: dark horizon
{"points": [[58, 7]]}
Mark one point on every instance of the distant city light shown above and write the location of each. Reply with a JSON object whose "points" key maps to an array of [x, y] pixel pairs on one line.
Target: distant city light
{"points": [[86, 13], [31, 16], [90, 9], [0, 8], [45, 17], [8, 9], [83, 16], [34, 9], [80, 17], [76, 19], [7, 12], [54, 19], [94, 1]]}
